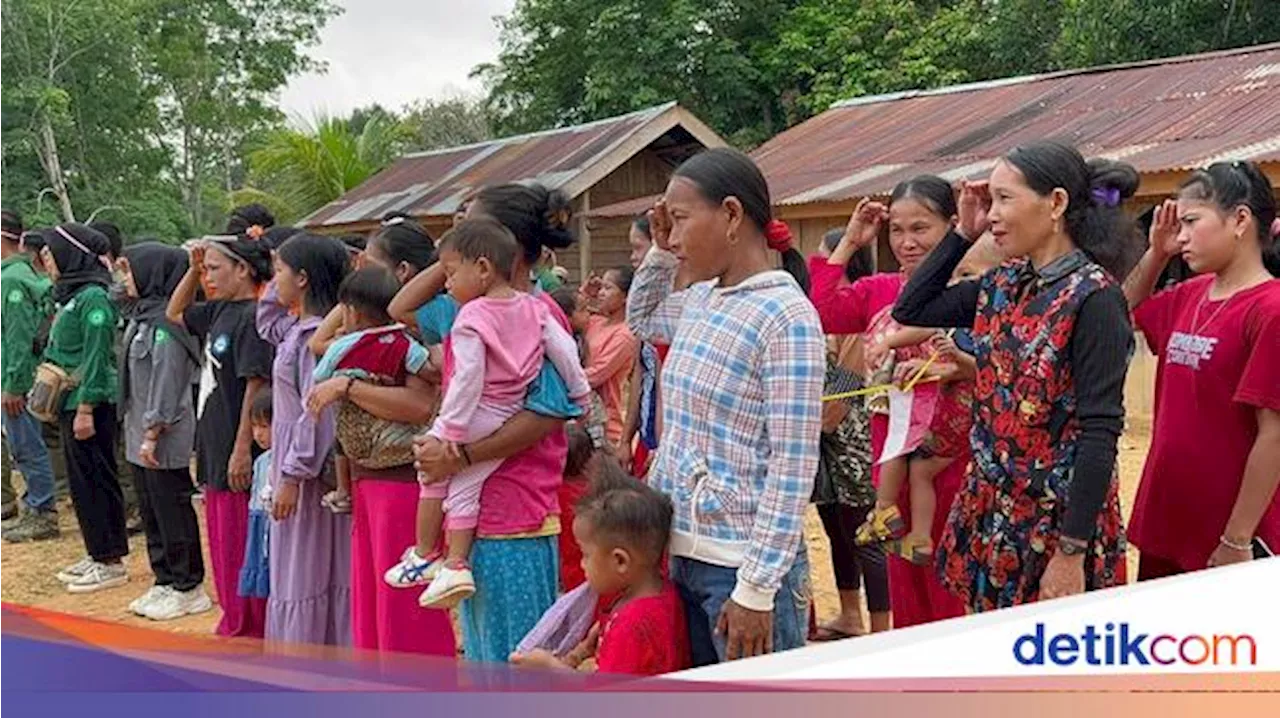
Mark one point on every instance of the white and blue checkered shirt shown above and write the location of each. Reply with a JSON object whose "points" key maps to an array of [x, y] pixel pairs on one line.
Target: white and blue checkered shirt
{"points": [[742, 405]]}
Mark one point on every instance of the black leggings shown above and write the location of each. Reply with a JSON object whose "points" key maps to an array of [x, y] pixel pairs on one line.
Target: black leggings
{"points": [[173, 536], [855, 565], [95, 487]]}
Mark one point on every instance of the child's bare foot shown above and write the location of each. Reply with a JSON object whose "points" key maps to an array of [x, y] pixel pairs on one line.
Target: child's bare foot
{"points": [[882, 524]]}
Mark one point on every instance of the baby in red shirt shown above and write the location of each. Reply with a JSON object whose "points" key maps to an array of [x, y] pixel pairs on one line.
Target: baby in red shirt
{"points": [[622, 529]]}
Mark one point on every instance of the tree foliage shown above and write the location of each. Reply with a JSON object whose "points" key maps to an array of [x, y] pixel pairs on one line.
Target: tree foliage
{"points": [[299, 169], [139, 110], [750, 68], [158, 114]]}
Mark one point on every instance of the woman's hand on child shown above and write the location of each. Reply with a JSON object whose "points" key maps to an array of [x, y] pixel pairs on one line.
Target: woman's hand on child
{"points": [[326, 393], [437, 459], [875, 354], [906, 371], [946, 347], [284, 502], [747, 633]]}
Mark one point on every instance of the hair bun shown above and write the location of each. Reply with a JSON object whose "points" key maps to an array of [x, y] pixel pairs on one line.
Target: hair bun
{"points": [[1116, 181], [559, 209], [558, 218]]}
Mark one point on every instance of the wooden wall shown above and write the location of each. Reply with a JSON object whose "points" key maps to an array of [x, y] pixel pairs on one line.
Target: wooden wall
{"points": [[643, 175], [609, 248]]}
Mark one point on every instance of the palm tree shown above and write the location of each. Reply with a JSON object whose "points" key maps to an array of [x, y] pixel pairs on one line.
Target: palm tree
{"points": [[299, 169]]}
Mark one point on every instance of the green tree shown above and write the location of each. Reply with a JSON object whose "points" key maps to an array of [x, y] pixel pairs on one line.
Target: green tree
{"points": [[570, 61], [299, 169], [215, 65], [750, 68], [78, 114], [435, 123]]}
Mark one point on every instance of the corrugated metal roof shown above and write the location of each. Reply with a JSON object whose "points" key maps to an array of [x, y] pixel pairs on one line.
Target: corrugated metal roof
{"points": [[436, 182], [1159, 115]]}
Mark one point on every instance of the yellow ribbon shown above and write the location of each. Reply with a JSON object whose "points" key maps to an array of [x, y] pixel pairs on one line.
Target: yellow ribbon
{"points": [[917, 378], [872, 390]]}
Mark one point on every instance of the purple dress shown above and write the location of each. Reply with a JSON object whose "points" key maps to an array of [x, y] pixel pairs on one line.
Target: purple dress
{"points": [[310, 568]]}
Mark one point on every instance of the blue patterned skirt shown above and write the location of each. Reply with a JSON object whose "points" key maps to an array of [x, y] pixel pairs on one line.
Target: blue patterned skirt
{"points": [[517, 580]]}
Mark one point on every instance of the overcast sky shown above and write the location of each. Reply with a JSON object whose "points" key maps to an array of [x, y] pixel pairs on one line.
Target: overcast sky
{"points": [[395, 51]]}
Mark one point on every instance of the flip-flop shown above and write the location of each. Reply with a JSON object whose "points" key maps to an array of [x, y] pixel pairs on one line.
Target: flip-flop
{"points": [[825, 634]]}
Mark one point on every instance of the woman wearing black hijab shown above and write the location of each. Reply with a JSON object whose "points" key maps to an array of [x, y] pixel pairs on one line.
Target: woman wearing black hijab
{"points": [[82, 343], [160, 361]]}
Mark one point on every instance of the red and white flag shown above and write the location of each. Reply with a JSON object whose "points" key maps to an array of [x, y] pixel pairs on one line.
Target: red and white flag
{"points": [[910, 414]]}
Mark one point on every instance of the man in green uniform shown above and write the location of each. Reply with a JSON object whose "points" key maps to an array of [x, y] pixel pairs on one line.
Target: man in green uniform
{"points": [[25, 295]]}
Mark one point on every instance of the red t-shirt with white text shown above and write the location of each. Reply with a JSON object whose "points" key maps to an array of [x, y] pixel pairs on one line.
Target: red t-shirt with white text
{"points": [[1219, 362]]}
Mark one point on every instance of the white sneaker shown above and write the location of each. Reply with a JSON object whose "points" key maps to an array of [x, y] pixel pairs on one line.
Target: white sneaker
{"points": [[449, 588], [176, 604], [75, 570], [153, 594], [98, 577], [413, 570]]}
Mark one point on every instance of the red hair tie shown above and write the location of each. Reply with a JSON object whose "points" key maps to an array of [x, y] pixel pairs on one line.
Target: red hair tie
{"points": [[778, 234], [255, 232], [1275, 228]]}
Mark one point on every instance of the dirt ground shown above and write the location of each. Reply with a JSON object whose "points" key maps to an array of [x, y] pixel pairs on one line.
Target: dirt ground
{"points": [[27, 570]]}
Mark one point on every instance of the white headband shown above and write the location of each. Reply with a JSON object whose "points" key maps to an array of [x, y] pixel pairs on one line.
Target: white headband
{"points": [[78, 245]]}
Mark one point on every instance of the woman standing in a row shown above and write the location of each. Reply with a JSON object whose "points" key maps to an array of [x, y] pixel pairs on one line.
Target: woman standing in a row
{"points": [[160, 360], [82, 343], [743, 389], [1209, 485], [922, 210], [310, 570], [1039, 516]]}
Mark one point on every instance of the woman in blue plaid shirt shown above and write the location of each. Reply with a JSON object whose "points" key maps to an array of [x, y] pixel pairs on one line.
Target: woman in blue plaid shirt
{"points": [[742, 390]]}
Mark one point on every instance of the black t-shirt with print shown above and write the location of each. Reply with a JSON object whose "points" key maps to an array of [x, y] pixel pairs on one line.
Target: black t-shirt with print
{"points": [[233, 354]]}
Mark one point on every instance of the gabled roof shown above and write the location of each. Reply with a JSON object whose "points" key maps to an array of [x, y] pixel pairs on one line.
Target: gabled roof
{"points": [[572, 159], [1159, 115]]}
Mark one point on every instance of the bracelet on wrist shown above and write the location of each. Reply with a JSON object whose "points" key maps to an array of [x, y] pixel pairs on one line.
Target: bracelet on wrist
{"points": [[1234, 546]]}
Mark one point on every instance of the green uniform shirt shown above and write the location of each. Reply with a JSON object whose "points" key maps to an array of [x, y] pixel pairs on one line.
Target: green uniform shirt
{"points": [[26, 300], [82, 342]]}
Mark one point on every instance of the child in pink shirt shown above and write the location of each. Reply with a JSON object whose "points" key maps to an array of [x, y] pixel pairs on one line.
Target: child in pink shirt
{"points": [[499, 341]]}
